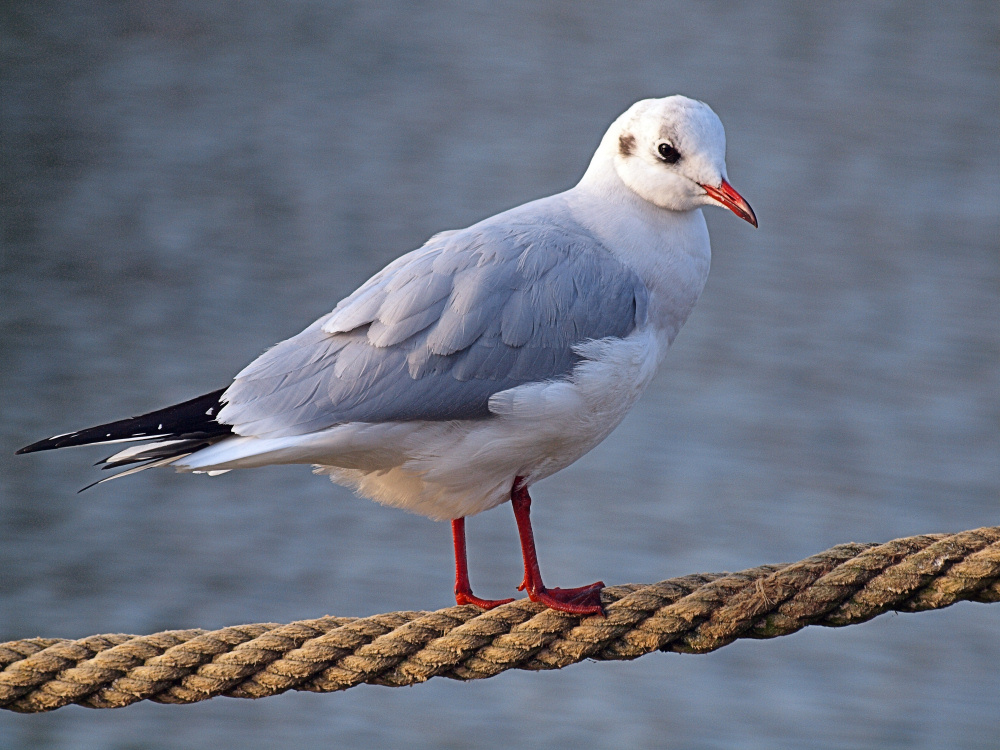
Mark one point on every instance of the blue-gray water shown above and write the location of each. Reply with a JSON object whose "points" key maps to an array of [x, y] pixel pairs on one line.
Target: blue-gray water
{"points": [[185, 183]]}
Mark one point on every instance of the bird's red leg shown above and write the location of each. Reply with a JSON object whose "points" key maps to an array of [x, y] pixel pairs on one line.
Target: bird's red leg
{"points": [[463, 591], [585, 600]]}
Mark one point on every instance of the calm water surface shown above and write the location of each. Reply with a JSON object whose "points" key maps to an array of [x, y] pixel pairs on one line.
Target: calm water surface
{"points": [[184, 184]]}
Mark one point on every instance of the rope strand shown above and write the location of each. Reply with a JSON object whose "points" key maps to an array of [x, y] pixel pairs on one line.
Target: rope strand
{"points": [[847, 584]]}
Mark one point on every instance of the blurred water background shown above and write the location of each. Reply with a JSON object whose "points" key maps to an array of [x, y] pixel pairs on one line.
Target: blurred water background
{"points": [[185, 183]]}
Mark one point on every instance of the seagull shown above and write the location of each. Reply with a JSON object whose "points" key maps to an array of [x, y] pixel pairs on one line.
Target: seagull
{"points": [[486, 360]]}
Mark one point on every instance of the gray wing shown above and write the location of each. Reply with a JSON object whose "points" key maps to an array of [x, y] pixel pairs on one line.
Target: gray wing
{"points": [[440, 330]]}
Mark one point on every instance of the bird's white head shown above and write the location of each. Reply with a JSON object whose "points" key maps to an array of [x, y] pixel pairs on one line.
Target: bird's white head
{"points": [[670, 152]]}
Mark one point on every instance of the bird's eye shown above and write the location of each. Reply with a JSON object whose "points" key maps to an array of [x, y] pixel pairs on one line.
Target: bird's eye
{"points": [[668, 153]]}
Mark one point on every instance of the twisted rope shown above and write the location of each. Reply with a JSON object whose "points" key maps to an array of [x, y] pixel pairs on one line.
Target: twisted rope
{"points": [[847, 584]]}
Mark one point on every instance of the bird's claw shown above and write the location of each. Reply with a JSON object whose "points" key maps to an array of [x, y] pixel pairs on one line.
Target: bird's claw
{"points": [[585, 600], [467, 597]]}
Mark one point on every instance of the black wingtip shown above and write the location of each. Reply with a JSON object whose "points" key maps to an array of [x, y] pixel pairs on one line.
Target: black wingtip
{"points": [[194, 418], [35, 447], [81, 437]]}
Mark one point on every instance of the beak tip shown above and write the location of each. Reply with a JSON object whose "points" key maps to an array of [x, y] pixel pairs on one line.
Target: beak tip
{"points": [[726, 196]]}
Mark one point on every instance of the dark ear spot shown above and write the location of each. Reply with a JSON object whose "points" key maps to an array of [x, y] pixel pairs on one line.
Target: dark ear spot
{"points": [[626, 144]]}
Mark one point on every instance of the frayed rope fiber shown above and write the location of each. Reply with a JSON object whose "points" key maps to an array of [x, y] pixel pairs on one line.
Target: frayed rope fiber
{"points": [[844, 585]]}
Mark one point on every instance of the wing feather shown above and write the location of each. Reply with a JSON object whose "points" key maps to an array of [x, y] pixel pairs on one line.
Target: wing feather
{"points": [[439, 331]]}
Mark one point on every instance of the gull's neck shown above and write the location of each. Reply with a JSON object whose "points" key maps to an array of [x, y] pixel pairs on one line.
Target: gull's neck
{"points": [[669, 250], [633, 228], [601, 185]]}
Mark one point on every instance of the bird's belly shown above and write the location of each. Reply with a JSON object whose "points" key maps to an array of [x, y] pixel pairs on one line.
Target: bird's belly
{"points": [[454, 469]]}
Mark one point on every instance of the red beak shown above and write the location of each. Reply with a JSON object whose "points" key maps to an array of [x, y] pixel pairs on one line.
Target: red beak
{"points": [[732, 200]]}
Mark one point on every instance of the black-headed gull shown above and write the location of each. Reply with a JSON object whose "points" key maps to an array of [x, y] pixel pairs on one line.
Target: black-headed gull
{"points": [[488, 359]]}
